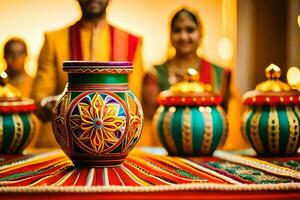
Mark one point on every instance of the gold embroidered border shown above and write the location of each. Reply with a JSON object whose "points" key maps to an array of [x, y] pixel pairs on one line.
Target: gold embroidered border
{"points": [[100, 70], [187, 139], [208, 130], [225, 126], [166, 130], [258, 164], [161, 188], [18, 133], [155, 120], [254, 131], [245, 118], [273, 130], [34, 159], [294, 131], [32, 128]]}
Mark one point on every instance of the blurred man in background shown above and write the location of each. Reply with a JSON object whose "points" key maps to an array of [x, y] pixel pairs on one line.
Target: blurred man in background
{"points": [[15, 54], [90, 38]]}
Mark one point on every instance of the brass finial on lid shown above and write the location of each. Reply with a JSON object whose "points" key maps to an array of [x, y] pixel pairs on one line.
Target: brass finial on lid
{"points": [[273, 83], [191, 83], [273, 72]]}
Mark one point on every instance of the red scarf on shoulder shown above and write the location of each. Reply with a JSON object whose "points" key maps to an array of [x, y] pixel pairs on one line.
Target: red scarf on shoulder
{"points": [[216, 76], [123, 44]]}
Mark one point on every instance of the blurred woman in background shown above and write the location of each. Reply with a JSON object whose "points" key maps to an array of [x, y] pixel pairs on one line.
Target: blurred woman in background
{"points": [[185, 36]]}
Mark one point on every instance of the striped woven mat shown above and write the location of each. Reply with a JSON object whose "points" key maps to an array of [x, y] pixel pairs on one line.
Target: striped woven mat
{"points": [[143, 171]]}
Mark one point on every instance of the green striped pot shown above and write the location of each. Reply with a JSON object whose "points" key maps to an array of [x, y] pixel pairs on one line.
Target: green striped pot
{"points": [[17, 125], [272, 130], [191, 130], [271, 120], [97, 119]]}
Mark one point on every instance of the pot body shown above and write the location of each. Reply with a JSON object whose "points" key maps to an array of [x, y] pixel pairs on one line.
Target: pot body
{"points": [[97, 119], [272, 130], [17, 131], [191, 130]]}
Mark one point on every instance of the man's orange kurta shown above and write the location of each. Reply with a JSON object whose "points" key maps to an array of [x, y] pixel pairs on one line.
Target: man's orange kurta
{"points": [[95, 45], [23, 82]]}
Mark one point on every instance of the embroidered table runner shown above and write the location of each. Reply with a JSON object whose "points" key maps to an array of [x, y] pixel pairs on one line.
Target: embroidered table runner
{"points": [[144, 172]]}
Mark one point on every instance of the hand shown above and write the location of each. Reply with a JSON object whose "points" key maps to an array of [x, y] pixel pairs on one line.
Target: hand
{"points": [[46, 108]]}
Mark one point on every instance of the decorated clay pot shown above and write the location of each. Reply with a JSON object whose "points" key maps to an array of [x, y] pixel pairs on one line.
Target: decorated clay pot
{"points": [[17, 121], [271, 120], [190, 121], [97, 119]]}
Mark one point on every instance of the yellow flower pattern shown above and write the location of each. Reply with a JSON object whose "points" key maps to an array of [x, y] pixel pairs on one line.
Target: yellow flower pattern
{"points": [[59, 117], [136, 118], [99, 125]]}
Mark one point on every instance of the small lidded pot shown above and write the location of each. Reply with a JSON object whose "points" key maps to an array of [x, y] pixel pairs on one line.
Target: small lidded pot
{"points": [[272, 116], [17, 121], [190, 121]]}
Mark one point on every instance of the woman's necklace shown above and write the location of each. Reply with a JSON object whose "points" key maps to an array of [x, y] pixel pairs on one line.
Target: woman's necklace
{"points": [[176, 72]]}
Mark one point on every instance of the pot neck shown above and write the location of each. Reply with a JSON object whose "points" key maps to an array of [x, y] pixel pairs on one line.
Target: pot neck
{"points": [[74, 78]]}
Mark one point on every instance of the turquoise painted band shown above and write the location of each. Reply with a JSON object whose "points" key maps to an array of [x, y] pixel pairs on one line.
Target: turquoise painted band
{"points": [[98, 78]]}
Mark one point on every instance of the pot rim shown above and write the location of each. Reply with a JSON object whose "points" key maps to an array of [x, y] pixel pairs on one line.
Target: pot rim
{"points": [[93, 67], [80, 63]]}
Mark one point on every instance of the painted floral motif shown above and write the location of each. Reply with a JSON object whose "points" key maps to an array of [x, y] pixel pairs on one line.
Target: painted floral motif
{"points": [[59, 119], [98, 124], [136, 119]]}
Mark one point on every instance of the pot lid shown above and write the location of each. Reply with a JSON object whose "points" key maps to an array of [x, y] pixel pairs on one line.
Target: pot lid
{"points": [[272, 91], [190, 92], [11, 100]]}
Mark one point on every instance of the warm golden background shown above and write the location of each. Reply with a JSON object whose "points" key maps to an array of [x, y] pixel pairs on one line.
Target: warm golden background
{"points": [[148, 18], [256, 33], [29, 19]]}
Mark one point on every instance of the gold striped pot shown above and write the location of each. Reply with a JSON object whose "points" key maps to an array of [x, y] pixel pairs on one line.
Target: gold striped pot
{"points": [[190, 121], [271, 120], [17, 121]]}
